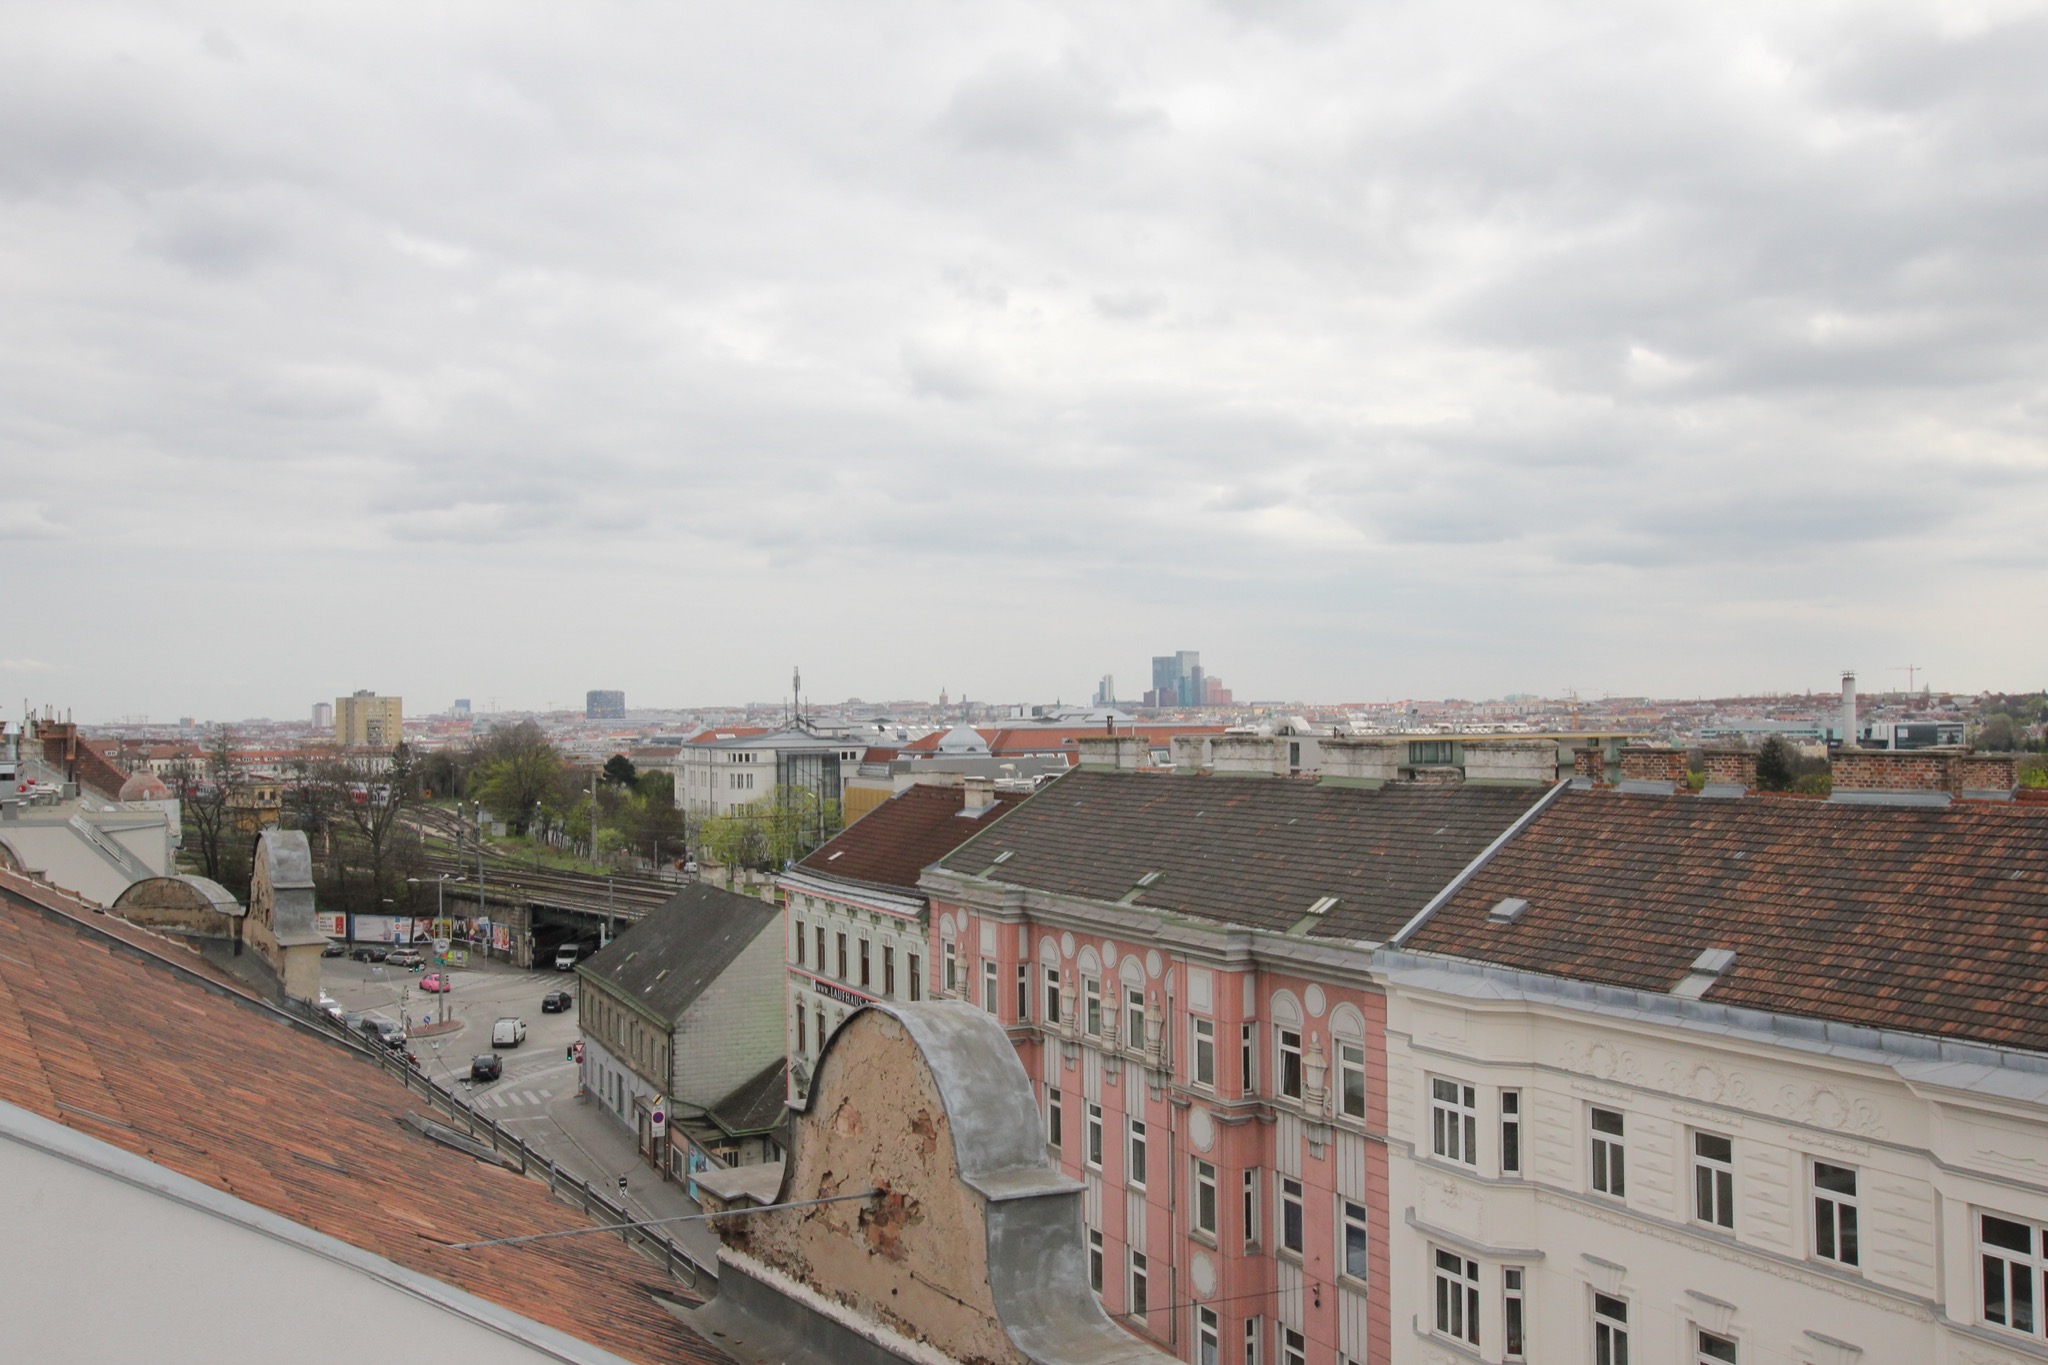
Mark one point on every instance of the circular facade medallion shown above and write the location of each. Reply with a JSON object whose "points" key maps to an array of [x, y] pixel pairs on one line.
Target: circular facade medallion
{"points": [[1201, 1130], [1202, 1271], [1154, 964], [1066, 945], [1313, 998]]}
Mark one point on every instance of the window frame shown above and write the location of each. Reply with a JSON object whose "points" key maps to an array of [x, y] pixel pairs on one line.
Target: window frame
{"points": [[1288, 1080], [1201, 1052], [1351, 1068], [1208, 1336], [1707, 1348], [1292, 1215], [991, 988], [1091, 1006], [1713, 1182], [1205, 1199], [1454, 1120], [1055, 1117], [1251, 1209], [889, 970], [1293, 1347], [1514, 1312], [1248, 1057], [1095, 1259], [1137, 1153], [1610, 1328], [1134, 1018], [1137, 1285], [1454, 1294], [867, 964], [1051, 980], [1511, 1132], [1091, 1147], [2034, 1262], [913, 967], [1842, 1232], [802, 933], [1607, 1151], [1354, 1257], [1023, 992]]}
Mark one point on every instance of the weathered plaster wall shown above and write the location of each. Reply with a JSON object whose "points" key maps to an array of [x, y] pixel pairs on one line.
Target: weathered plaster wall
{"points": [[917, 1262]]}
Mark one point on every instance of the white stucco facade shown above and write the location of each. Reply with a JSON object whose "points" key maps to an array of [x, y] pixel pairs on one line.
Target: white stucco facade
{"points": [[844, 947], [1802, 1195]]}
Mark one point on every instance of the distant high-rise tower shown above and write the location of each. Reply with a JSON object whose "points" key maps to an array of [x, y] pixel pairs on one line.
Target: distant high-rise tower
{"points": [[369, 721], [323, 715], [602, 705], [1105, 691], [460, 711], [1178, 680]]}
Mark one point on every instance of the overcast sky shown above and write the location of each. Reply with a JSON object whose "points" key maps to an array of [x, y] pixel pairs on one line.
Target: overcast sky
{"points": [[1374, 350]]}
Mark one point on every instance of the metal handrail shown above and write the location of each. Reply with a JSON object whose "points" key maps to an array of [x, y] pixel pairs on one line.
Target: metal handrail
{"points": [[571, 1189]]}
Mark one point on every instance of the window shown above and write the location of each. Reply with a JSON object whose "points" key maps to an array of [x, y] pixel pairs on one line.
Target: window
{"points": [[2011, 1255], [842, 956], [989, 998], [1454, 1121], [1351, 1217], [1290, 1214], [913, 967], [1610, 1330], [1205, 1197], [1138, 1277], [1457, 1297], [1715, 1350], [802, 1046], [1609, 1168], [819, 1019], [1208, 1336], [889, 971], [1134, 1018], [1293, 1347], [1202, 1052], [1351, 1080], [1052, 995], [1510, 1132], [1713, 1179], [1513, 1322], [866, 968], [1023, 993], [1432, 751], [1834, 1213], [823, 966], [801, 935], [1094, 1152], [1134, 1151], [1251, 1340], [1052, 1117], [951, 963], [1091, 1006], [1290, 1064], [1095, 1260], [1248, 1039]]}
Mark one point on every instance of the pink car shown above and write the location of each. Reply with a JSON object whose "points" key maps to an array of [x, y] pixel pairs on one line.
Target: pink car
{"points": [[436, 981]]}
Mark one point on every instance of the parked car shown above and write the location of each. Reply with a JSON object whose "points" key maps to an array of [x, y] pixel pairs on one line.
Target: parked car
{"points": [[557, 1002], [405, 957], [508, 1033], [386, 1031], [370, 952], [435, 982], [486, 1066], [333, 949], [329, 1006], [565, 958]]}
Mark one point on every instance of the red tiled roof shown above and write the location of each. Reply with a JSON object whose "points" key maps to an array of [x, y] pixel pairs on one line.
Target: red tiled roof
{"points": [[1928, 920], [100, 1038], [898, 839], [1014, 741]]}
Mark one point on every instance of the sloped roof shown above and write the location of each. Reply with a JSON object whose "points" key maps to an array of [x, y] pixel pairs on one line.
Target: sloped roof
{"points": [[1918, 919], [1258, 852], [665, 962], [757, 1105], [103, 1036], [894, 842]]}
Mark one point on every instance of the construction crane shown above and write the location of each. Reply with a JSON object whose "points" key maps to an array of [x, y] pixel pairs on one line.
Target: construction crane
{"points": [[1909, 670]]}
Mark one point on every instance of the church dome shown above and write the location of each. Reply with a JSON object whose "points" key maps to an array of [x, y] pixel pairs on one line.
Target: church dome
{"points": [[144, 786]]}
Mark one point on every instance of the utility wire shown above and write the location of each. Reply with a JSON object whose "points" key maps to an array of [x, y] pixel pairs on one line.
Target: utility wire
{"points": [[656, 1222]]}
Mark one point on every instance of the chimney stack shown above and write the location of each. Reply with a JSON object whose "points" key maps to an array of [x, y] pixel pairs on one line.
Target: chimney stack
{"points": [[1848, 709], [978, 794], [1730, 772], [1652, 769]]}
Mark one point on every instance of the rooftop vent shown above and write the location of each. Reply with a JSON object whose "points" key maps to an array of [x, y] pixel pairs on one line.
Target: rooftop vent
{"points": [[1323, 906], [1510, 909], [1149, 878], [1003, 857], [1708, 968], [837, 854]]}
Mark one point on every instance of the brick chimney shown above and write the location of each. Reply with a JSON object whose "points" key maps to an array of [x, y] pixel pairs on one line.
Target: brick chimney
{"points": [[1589, 766], [1122, 752], [1987, 777], [977, 795], [1894, 777], [1730, 772], [1362, 760], [1655, 770]]}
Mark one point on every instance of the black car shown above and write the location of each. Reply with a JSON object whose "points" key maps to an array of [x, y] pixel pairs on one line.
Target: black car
{"points": [[486, 1066], [333, 949], [381, 1030], [557, 1002], [370, 953]]}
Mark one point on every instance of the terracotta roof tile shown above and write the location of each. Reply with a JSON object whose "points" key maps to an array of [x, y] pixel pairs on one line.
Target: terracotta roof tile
{"points": [[1926, 920], [898, 839], [99, 1037]]}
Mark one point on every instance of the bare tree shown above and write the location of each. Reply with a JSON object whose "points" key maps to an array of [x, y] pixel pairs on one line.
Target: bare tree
{"points": [[206, 802]]}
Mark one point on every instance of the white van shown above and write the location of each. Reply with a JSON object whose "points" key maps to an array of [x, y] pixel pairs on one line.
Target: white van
{"points": [[508, 1033], [565, 958]]}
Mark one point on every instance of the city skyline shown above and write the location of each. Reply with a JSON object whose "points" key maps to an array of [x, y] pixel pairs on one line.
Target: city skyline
{"points": [[1455, 351]]}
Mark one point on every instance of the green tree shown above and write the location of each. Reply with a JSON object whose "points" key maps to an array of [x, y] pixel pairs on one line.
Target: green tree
{"points": [[1998, 732], [518, 771], [1774, 765], [619, 771], [206, 802]]}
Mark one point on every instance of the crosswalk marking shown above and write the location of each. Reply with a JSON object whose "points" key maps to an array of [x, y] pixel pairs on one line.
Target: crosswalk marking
{"points": [[506, 1099]]}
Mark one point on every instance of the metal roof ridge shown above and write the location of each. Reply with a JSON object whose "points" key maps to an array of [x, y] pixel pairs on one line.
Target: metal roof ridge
{"points": [[1471, 869]]}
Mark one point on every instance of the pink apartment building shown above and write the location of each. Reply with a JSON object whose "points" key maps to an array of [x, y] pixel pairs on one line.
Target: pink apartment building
{"points": [[1183, 964]]}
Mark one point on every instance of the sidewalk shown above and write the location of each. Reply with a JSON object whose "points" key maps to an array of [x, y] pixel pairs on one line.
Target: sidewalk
{"points": [[600, 1151]]}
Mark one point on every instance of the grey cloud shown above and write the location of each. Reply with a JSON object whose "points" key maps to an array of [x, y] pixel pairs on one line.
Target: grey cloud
{"points": [[1023, 108]]}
